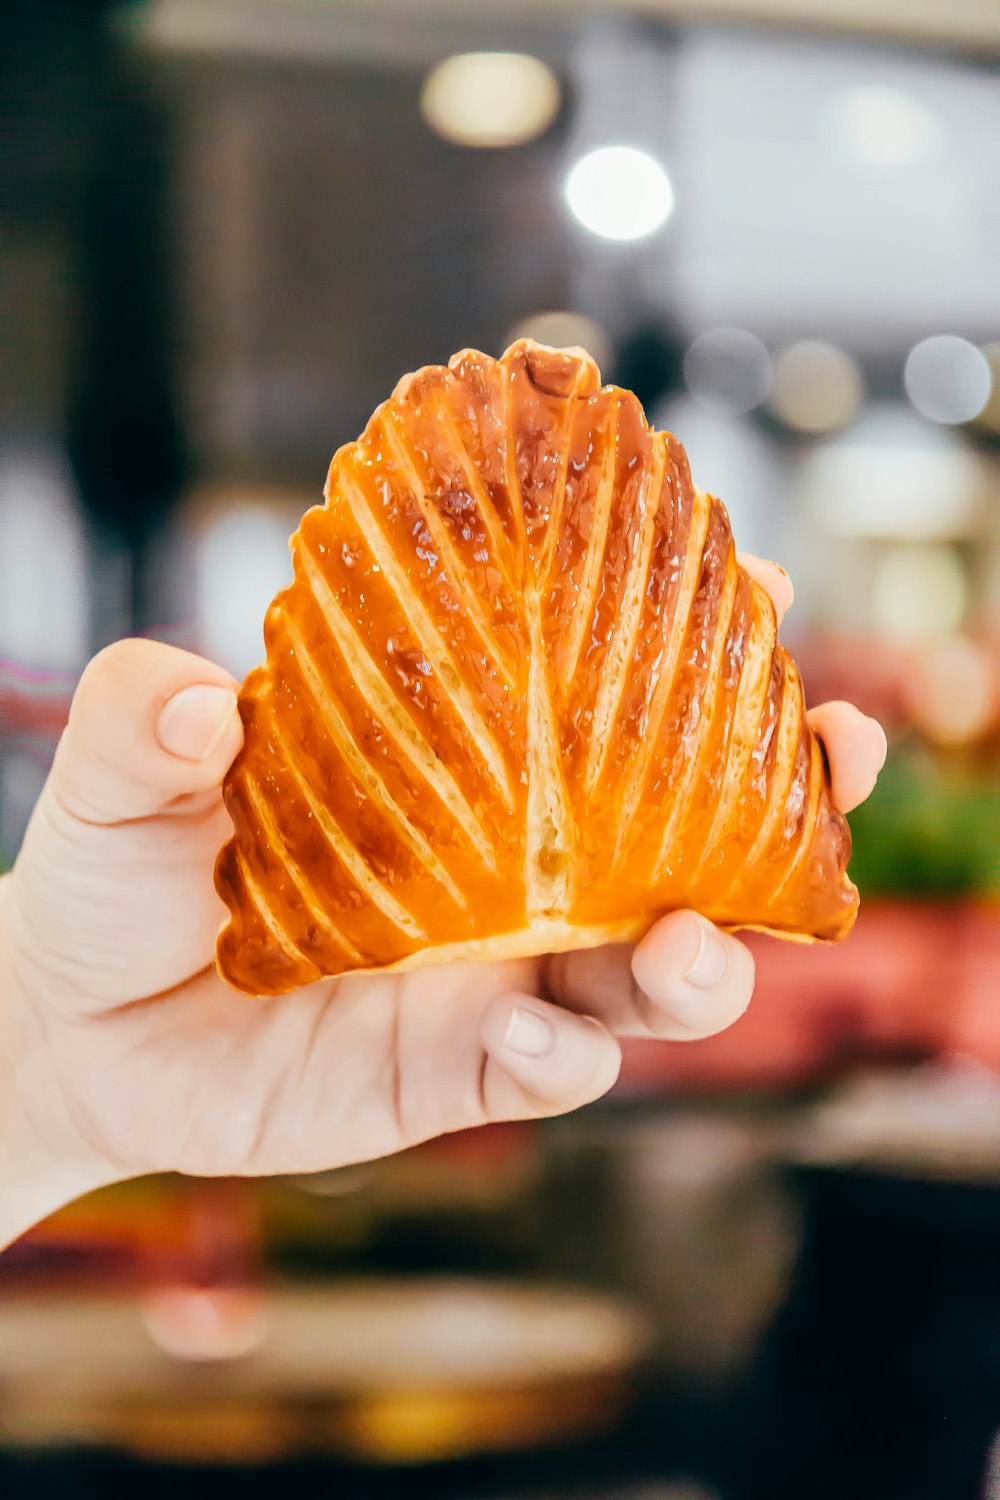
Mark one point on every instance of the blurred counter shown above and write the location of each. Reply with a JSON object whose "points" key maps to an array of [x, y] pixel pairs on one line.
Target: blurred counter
{"points": [[413, 1371]]}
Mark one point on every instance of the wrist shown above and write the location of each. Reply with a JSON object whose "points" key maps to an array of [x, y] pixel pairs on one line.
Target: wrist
{"points": [[39, 1173]]}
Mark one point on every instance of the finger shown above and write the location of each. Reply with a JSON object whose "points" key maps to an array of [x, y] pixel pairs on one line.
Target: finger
{"points": [[149, 726], [772, 578], [542, 1060], [684, 980], [350, 1070], [856, 749]]}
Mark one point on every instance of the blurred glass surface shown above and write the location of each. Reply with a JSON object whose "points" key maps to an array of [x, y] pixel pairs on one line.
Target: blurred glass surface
{"points": [[227, 227]]}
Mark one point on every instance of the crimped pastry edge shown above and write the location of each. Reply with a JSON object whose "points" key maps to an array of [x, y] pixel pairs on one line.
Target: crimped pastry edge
{"points": [[543, 938]]}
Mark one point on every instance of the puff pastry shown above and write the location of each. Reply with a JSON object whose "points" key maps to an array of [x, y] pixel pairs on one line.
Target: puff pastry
{"points": [[519, 698]]}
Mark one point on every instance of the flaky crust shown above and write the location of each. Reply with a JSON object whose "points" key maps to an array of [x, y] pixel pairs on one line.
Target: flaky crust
{"points": [[520, 697]]}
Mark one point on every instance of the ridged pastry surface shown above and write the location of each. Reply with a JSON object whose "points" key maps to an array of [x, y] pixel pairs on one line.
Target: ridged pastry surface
{"points": [[519, 697]]}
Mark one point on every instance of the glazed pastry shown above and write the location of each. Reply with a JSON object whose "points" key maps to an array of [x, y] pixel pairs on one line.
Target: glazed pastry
{"points": [[519, 698]]}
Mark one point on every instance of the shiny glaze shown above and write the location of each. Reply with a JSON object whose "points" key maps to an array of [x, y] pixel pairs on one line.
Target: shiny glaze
{"points": [[519, 683]]}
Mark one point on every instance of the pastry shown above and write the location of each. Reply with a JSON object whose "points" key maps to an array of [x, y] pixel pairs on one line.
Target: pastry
{"points": [[519, 698]]}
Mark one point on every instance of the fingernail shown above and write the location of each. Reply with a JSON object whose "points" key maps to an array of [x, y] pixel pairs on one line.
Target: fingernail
{"points": [[709, 963], [193, 721], [529, 1034]]}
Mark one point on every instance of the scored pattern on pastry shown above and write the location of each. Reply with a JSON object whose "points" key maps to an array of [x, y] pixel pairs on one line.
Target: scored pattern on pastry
{"points": [[359, 766], [626, 627], [475, 607], [519, 697], [665, 672], [298, 877], [379, 695]]}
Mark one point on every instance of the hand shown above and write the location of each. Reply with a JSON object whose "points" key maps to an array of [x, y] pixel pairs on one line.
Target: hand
{"points": [[122, 1052]]}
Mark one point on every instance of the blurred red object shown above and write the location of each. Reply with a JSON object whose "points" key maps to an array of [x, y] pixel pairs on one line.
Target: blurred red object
{"points": [[906, 687], [33, 705], [908, 981], [870, 673], [975, 1017], [154, 1231]]}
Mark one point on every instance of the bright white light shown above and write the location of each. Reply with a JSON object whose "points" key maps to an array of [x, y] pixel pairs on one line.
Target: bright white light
{"points": [[728, 370], [43, 560], [565, 330], [241, 562], [891, 476], [948, 379], [490, 98], [816, 388], [920, 592], [619, 193], [883, 127], [730, 456]]}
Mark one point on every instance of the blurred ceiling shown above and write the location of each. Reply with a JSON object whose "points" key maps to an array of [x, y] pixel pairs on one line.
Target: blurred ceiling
{"points": [[409, 31], [827, 186]]}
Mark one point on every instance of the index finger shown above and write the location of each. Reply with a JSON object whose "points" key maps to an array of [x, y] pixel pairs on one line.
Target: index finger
{"points": [[683, 981], [856, 749], [773, 580]]}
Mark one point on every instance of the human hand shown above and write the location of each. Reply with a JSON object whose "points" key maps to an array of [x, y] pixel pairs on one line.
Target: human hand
{"points": [[122, 1052]]}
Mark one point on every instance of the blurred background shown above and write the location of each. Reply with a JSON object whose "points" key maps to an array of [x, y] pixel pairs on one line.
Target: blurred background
{"points": [[768, 1267]]}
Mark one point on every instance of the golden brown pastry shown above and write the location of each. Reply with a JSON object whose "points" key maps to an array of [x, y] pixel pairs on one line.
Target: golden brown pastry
{"points": [[520, 697]]}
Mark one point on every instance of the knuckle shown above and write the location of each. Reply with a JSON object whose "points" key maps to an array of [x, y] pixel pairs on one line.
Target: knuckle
{"points": [[597, 1068], [113, 668]]}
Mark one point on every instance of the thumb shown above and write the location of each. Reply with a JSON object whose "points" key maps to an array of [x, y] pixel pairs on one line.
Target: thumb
{"points": [[148, 727]]}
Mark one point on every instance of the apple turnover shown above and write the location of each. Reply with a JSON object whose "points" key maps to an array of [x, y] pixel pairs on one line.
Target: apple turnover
{"points": [[519, 698]]}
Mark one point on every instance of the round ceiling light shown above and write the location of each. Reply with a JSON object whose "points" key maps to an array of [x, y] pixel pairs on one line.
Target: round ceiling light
{"points": [[490, 99], [619, 193]]}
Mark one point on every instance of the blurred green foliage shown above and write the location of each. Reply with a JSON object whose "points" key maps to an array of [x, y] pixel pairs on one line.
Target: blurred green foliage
{"points": [[931, 828]]}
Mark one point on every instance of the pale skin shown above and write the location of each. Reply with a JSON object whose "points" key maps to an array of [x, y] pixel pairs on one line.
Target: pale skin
{"points": [[122, 1052]]}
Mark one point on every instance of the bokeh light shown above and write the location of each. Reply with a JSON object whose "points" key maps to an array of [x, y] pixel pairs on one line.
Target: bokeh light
{"points": [[948, 379], [920, 592], [241, 561], [619, 193], [41, 536], [816, 387], [883, 127], [952, 691], [201, 1324], [565, 330], [892, 476], [490, 99], [728, 370]]}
